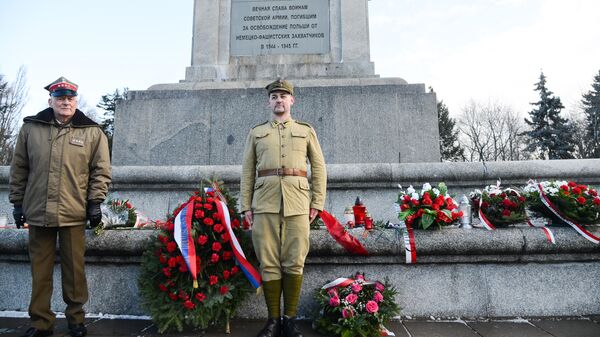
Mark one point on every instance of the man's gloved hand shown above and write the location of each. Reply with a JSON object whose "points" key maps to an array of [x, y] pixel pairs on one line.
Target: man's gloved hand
{"points": [[19, 216], [94, 214]]}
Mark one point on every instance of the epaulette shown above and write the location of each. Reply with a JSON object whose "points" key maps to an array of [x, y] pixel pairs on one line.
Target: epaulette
{"points": [[304, 123], [254, 127]]}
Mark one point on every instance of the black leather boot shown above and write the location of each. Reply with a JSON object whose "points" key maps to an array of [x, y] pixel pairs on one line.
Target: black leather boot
{"points": [[289, 327], [271, 329], [33, 332]]}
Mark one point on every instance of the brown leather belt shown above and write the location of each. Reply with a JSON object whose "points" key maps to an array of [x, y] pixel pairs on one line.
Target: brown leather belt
{"points": [[282, 172]]}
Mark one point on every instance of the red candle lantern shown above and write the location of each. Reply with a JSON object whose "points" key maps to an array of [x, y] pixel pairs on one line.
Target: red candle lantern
{"points": [[359, 212]]}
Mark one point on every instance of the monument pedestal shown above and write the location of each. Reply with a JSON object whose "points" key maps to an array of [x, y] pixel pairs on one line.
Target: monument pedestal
{"points": [[358, 120]]}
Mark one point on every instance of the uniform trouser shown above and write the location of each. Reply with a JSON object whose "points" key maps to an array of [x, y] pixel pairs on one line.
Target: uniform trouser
{"points": [[281, 244], [42, 248]]}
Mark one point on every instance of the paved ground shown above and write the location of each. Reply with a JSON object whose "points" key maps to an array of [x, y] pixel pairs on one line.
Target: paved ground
{"points": [[546, 327]]}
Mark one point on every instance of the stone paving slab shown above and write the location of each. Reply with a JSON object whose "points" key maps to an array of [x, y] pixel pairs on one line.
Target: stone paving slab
{"points": [[439, 329], [568, 328], [507, 329], [546, 327]]}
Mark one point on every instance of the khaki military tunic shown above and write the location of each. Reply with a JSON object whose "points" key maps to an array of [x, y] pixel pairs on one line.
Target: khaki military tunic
{"points": [[281, 204]]}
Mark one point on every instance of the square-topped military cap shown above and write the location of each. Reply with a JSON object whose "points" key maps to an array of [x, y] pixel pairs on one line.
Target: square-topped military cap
{"points": [[280, 85], [62, 87]]}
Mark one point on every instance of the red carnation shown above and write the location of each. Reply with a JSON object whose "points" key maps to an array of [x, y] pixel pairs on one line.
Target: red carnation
{"points": [[576, 190], [572, 184], [213, 280], [521, 198], [173, 297], [404, 207], [224, 290], [415, 202], [169, 226], [456, 215], [596, 201], [202, 239], [162, 287], [227, 255], [214, 258], [226, 275], [485, 205], [427, 201], [171, 246], [582, 187], [172, 262], [235, 270], [218, 228], [225, 237], [450, 206], [502, 195], [593, 193], [183, 268], [208, 207], [215, 215], [200, 297], [162, 259], [210, 200], [163, 239], [235, 223], [167, 272], [183, 295], [506, 213], [581, 200], [436, 207], [198, 214], [216, 246], [189, 305], [208, 221]]}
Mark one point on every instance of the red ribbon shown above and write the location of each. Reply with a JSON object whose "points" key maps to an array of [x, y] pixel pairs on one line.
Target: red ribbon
{"points": [[339, 233]]}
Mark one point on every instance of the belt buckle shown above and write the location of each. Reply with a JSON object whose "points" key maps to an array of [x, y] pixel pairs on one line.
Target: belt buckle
{"points": [[279, 172]]}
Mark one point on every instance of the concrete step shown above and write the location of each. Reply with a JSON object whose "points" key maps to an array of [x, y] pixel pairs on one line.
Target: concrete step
{"points": [[533, 327]]}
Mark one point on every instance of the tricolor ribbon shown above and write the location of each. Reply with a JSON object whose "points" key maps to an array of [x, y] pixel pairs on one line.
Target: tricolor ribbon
{"points": [[183, 237], [251, 274], [548, 203], [410, 247], [339, 233]]}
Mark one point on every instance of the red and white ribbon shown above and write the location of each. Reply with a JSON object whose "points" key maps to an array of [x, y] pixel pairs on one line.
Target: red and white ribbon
{"points": [[410, 248], [343, 282], [546, 201], [487, 224]]}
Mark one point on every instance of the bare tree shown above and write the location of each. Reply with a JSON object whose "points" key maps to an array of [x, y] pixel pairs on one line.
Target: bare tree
{"points": [[491, 132], [12, 99]]}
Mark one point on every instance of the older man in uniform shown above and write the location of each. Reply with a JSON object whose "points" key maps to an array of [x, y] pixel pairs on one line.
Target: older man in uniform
{"points": [[277, 199], [59, 176]]}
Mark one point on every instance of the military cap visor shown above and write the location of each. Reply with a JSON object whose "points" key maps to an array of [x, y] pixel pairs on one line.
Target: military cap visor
{"points": [[280, 85], [63, 92]]}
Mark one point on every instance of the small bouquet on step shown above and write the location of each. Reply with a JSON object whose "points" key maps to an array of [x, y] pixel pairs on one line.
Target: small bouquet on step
{"points": [[565, 200], [118, 213], [355, 307], [431, 208], [500, 206]]}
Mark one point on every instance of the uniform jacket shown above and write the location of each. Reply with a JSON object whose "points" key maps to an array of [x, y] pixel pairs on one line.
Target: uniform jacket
{"points": [[57, 170], [271, 146]]}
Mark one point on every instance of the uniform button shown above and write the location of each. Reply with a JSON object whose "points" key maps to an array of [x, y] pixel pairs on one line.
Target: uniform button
{"points": [[282, 145], [283, 155], [282, 136], [282, 166]]}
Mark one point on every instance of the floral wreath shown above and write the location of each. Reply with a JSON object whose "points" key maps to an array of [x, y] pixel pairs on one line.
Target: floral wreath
{"points": [[167, 287], [352, 307]]}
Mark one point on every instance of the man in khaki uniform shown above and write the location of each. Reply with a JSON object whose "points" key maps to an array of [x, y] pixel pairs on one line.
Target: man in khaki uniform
{"points": [[59, 176], [277, 199]]}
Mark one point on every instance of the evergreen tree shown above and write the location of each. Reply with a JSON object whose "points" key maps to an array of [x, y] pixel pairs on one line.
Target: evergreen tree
{"points": [[108, 103], [551, 136], [450, 148], [591, 104]]}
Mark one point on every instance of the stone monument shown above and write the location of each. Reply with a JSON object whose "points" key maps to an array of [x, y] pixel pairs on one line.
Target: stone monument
{"points": [[239, 46]]}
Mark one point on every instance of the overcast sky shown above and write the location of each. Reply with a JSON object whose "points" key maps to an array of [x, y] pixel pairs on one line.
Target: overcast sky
{"points": [[485, 50]]}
